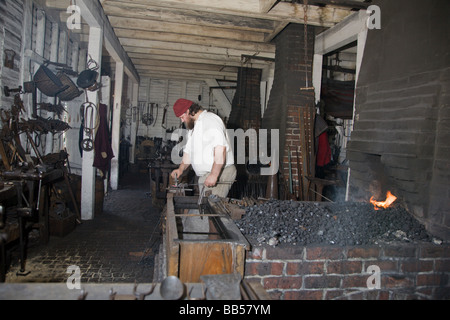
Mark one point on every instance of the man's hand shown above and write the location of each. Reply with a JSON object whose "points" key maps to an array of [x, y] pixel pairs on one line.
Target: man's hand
{"points": [[175, 174], [211, 180]]}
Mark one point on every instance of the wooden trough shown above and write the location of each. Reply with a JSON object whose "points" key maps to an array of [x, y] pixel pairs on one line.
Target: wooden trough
{"points": [[218, 249]]}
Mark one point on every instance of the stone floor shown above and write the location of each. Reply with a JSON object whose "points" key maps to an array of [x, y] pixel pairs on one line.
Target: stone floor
{"points": [[117, 246]]}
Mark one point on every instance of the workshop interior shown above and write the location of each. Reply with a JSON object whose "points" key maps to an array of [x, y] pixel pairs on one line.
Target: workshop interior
{"points": [[339, 115]]}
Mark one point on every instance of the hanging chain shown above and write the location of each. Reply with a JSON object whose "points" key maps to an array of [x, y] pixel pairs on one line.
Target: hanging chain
{"points": [[305, 31]]}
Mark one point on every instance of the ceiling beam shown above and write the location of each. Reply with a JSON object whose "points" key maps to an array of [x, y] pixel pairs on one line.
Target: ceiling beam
{"points": [[266, 5], [194, 40], [154, 11], [199, 48], [283, 11], [150, 52], [161, 27]]}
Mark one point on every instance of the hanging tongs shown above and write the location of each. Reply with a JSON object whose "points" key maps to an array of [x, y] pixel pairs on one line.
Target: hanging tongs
{"points": [[163, 123]]}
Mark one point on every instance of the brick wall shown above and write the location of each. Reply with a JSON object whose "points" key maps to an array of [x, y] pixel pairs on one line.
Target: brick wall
{"points": [[246, 105], [291, 109], [407, 271], [402, 113]]}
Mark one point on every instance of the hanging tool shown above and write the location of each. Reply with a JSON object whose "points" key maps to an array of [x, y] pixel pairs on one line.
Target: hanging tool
{"points": [[305, 24], [88, 108], [147, 118], [300, 177], [7, 91], [290, 171], [163, 123], [156, 117]]}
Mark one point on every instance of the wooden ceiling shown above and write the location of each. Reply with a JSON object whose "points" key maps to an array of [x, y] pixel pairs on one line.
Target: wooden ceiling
{"points": [[205, 39]]}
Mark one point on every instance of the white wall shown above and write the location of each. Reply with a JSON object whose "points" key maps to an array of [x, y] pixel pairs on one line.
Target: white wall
{"points": [[165, 93]]}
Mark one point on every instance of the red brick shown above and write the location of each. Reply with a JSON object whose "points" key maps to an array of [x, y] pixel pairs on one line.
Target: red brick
{"points": [[250, 268], [442, 265], [392, 281], [416, 266], [384, 295], [284, 253], [435, 252], [335, 295], [363, 252], [385, 265], [432, 280], [277, 268], [344, 267], [303, 268], [304, 295], [282, 283], [400, 251], [355, 281], [322, 282], [322, 253], [268, 268]]}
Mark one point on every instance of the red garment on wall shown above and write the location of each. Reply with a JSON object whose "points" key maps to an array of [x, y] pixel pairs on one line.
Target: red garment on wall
{"points": [[324, 151], [102, 145]]}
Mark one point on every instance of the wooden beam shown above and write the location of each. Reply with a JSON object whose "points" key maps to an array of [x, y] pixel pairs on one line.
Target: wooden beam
{"points": [[162, 27], [153, 64], [283, 11], [140, 58], [279, 27], [211, 73], [157, 12], [199, 48], [232, 56], [185, 76], [196, 40], [266, 5]]}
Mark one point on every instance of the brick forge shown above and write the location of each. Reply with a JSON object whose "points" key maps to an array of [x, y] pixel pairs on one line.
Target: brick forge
{"points": [[291, 107], [407, 271]]}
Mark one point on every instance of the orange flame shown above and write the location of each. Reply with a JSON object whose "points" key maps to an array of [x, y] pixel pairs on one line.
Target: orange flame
{"points": [[390, 198]]}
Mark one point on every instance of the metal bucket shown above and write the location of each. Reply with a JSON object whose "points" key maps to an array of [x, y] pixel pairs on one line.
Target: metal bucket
{"points": [[71, 92], [47, 82]]}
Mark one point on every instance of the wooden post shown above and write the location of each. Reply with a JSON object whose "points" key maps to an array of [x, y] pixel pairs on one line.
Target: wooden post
{"points": [[88, 171], [116, 125]]}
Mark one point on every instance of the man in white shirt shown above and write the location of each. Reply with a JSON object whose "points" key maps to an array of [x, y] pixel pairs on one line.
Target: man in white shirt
{"points": [[208, 149]]}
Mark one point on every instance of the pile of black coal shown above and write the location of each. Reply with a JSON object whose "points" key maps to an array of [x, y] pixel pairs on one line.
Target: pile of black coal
{"points": [[346, 223]]}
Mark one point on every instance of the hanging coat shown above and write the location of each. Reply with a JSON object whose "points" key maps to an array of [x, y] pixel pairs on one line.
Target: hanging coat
{"points": [[324, 150], [102, 144]]}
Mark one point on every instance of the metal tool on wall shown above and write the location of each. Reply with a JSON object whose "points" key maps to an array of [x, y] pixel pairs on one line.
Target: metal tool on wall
{"points": [[156, 117], [88, 78], [147, 118], [88, 110], [164, 119], [305, 24]]}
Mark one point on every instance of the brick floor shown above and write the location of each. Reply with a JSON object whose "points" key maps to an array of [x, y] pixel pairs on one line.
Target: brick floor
{"points": [[118, 245]]}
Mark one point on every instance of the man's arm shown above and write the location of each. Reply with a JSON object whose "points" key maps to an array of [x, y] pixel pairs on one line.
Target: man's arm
{"points": [[185, 163], [219, 162]]}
